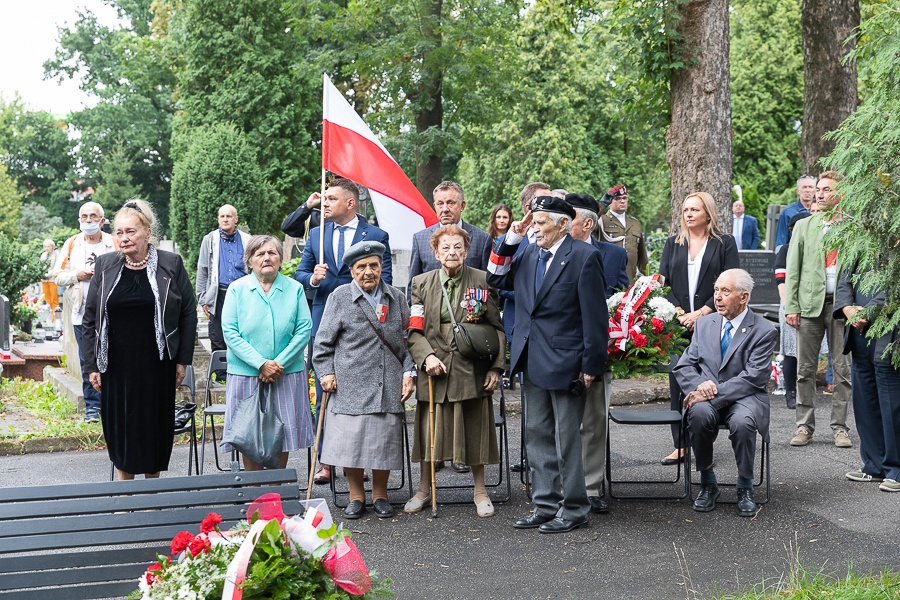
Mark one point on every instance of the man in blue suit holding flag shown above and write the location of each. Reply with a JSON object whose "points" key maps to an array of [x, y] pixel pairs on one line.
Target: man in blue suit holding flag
{"points": [[561, 336], [343, 228]]}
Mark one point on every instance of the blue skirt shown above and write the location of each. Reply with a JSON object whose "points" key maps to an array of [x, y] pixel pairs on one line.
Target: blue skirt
{"points": [[291, 395]]}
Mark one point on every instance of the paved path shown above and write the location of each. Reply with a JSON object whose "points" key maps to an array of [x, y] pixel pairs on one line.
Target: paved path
{"points": [[641, 549]]}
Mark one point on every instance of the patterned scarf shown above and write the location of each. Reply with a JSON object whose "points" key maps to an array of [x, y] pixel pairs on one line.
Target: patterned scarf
{"points": [[103, 353]]}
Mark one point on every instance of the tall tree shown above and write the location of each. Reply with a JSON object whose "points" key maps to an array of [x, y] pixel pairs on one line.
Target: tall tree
{"points": [[242, 66], [220, 166], [129, 68], [419, 71], [766, 96], [698, 142], [830, 82], [115, 184], [38, 153], [10, 203]]}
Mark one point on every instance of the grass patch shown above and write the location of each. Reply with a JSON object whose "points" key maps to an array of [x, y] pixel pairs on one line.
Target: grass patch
{"points": [[806, 585]]}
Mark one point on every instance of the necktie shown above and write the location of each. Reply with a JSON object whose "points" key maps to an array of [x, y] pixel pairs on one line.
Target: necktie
{"points": [[340, 257], [726, 338], [451, 286], [541, 270]]}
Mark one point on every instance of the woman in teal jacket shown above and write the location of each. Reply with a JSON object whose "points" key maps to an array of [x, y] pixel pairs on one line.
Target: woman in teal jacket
{"points": [[266, 324]]}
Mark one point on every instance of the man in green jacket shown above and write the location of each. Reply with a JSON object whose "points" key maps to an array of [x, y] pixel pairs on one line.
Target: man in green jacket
{"points": [[810, 283]]}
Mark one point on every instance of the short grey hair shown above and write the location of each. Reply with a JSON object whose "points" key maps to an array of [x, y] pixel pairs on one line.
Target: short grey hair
{"points": [[258, 241], [806, 177], [557, 216], [449, 185], [586, 214], [742, 280], [559, 193]]}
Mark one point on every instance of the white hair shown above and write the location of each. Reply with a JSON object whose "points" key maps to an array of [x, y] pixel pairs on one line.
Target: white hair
{"points": [[92, 204], [557, 216], [742, 280], [806, 177], [586, 214]]}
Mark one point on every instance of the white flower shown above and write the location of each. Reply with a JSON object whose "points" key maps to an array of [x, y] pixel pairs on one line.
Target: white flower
{"points": [[613, 302], [662, 308]]}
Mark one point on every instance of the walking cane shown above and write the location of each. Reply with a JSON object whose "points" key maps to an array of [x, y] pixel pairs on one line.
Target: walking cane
{"points": [[315, 455], [434, 511]]}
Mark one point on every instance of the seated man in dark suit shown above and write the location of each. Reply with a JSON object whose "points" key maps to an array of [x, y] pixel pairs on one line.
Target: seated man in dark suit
{"points": [[559, 286], [724, 373]]}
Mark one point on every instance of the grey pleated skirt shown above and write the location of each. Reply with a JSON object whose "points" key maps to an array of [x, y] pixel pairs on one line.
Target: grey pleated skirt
{"points": [[372, 441]]}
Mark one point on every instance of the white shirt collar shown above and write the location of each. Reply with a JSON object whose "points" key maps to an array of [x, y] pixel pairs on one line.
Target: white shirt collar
{"points": [[735, 322]]}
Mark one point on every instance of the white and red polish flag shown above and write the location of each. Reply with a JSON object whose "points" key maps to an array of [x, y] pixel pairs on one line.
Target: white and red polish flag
{"points": [[351, 150]]}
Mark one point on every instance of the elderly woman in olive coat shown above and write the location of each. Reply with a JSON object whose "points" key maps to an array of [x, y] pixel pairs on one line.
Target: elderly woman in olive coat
{"points": [[361, 357], [464, 413]]}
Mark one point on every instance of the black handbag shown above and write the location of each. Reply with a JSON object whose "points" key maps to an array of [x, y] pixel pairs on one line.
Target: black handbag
{"points": [[475, 341], [256, 431]]}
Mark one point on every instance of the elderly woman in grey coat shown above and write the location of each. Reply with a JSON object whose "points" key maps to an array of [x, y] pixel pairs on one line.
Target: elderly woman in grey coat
{"points": [[361, 357]]}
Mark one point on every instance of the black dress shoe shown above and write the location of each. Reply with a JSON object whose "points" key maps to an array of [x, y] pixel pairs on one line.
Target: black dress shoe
{"points": [[533, 520], [790, 399], [560, 525], [598, 505], [672, 461], [517, 467], [746, 507], [706, 499], [355, 509], [383, 509], [439, 465], [460, 468]]}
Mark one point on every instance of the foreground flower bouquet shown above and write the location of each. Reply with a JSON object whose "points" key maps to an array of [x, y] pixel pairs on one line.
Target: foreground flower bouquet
{"points": [[643, 329], [272, 556]]}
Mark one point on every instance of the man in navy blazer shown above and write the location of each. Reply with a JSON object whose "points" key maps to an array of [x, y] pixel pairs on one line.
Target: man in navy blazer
{"points": [[561, 339], [744, 228], [323, 275], [449, 203]]}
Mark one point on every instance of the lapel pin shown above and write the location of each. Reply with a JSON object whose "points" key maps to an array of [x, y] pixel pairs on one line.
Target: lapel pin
{"points": [[743, 330]]}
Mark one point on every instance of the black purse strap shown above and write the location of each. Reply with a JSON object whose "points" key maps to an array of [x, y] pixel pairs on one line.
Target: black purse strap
{"points": [[380, 337]]}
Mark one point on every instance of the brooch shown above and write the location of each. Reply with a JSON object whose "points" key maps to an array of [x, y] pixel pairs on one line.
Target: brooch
{"points": [[475, 303]]}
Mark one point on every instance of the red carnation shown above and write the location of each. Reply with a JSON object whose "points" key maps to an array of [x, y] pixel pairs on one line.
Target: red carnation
{"points": [[210, 523], [658, 325], [152, 573], [639, 340], [199, 544], [181, 541]]}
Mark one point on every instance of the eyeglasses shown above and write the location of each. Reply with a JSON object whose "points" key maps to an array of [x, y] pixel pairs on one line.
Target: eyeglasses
{"points": [[91, 218]]}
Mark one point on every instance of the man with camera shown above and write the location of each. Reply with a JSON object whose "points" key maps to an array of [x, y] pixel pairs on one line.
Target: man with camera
{"points": [[557, 281]]}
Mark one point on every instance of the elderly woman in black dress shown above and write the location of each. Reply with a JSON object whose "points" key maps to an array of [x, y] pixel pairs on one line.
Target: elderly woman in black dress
{"points": [[140, 319], [361, 357]]}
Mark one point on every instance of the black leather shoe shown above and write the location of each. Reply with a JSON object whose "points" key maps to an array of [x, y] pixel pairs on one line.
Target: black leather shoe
{"points": [[517, 467], [439, 465], [598, 505], [706, 499], [533, 520], [666, 460], [560, 525], [383, 509], [355, 509], [746, 507], [790, 399], [460, 468]]}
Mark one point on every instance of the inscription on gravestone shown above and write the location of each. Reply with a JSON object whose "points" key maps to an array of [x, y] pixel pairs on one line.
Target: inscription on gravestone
{"points": [[761, 266]]}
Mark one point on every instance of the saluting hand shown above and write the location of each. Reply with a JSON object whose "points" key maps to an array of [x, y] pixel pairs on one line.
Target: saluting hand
{"points": [[521, 227]]}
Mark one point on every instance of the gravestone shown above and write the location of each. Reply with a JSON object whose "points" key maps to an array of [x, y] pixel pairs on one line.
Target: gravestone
{"points": [[761, 266]]}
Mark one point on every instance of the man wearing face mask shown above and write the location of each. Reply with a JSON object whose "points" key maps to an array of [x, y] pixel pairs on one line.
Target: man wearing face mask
{"points": [[75, 268]]}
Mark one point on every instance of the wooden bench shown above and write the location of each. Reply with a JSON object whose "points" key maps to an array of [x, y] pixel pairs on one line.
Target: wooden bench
{"points": [[94, 540]]}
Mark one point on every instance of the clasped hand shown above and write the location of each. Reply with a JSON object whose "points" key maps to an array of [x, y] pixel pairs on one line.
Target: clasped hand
{"points": [[434, 366], [705, 392], [270, 371]]}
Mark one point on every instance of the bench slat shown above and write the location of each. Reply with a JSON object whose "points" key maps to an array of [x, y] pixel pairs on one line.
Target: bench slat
{"points": [[145, 486], [145, 555], [159, 501]]}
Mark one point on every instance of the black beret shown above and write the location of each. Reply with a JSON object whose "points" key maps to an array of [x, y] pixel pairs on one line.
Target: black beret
{"points": [[361, 250], [797, 218], [552, 204], [585, 201]]}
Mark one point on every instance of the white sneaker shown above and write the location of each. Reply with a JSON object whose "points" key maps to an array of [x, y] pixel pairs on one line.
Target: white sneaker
{"points": [[889, 485]]}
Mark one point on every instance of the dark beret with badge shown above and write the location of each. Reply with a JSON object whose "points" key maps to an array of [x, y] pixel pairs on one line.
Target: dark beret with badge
{"points": [[552, 204], [361, 250], [585, 201]]}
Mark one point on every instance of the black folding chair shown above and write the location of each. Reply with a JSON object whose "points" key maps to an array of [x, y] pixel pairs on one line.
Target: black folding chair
{"points": [[217, 362]]}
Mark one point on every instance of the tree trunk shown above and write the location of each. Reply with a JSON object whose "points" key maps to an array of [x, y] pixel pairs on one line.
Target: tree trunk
{"points": [[829, 90], [430, 118], [698, 142]]}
